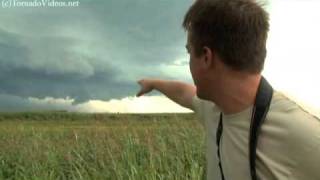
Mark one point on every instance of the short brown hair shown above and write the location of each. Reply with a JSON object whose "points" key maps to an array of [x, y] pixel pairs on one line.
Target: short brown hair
{"points": [[236, 29]]}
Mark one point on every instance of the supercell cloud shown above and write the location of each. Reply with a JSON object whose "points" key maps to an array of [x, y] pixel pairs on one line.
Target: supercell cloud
{"points": [[95, 51]]}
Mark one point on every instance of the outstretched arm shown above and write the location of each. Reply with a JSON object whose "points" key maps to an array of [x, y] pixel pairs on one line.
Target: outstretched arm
{"points": [[179, 92]]}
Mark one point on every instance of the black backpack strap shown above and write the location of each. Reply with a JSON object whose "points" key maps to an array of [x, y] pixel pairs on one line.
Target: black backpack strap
{"points": [[260, 110], [218, 137]]}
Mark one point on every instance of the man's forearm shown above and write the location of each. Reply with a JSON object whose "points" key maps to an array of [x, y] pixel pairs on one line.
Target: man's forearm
{"points": [[179, 92]]}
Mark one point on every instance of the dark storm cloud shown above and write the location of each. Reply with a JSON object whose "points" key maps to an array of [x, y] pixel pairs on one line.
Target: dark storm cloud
{"points": [[95, 51], [11, 103]]}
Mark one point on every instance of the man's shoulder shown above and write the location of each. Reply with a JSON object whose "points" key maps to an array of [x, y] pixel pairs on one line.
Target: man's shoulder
{"points": [[285, 108], [201, 104], [290, 129], [204, 109], [292, 121]]}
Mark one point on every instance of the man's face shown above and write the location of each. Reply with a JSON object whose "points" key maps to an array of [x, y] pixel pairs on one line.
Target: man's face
{"points": [[193, 63], [196, 68]]}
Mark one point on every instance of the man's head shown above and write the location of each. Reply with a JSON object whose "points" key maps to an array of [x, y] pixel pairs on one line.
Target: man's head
{"points": [[230, 32]]}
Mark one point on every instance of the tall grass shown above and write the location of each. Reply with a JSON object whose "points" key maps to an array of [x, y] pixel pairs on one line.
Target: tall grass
{"points": [[101, 146]]}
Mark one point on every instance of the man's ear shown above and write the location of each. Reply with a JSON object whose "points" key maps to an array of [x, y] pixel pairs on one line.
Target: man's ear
{"points": [[208, 57]]}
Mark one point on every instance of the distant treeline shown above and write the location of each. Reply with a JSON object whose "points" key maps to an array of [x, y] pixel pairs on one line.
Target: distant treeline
{"points": [[73, 116]]}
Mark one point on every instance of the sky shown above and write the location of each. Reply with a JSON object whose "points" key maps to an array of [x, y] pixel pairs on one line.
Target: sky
{"points": [[87, 58]]}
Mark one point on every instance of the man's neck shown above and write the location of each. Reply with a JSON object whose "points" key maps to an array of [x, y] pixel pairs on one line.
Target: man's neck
{"points": [[236, 94]]}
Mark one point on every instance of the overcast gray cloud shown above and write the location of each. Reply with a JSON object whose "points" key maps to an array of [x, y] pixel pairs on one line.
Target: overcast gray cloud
{"points": [[94, 51]]}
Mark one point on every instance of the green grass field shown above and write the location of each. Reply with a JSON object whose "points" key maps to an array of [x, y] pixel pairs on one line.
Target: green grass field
{"points": [[59, 145]]}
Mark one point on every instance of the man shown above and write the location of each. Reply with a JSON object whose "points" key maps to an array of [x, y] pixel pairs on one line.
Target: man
{"points": [[227, 47]]}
